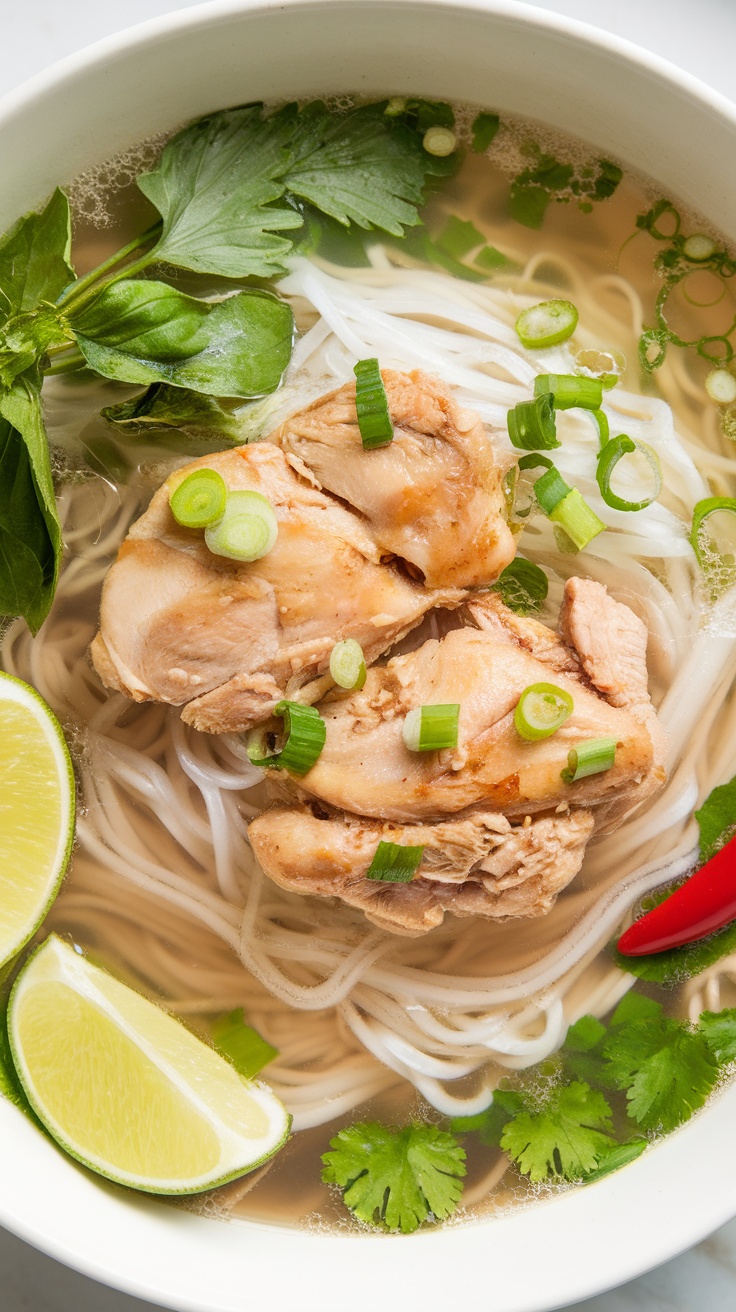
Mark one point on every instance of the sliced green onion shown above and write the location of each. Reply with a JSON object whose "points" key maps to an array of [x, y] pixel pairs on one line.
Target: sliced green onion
{"points": [[570, 391], [591, 757], [546, 324], [247, 530], [708, 506], [609, 457], [534, 460], [371, 402], [305, 732], [394, 863], [721, 386], [541, 710], [601, 423], [606, 366], [531, 424], [431, 728], [439, 141], [699, 247], [522, 586], [652, 349], [199, 500], [347, 664], [551, 489]]}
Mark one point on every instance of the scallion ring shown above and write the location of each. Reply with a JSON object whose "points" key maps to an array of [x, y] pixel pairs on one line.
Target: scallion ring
{"points": [[431, 728], [594, 756], [347, 664], [653, 349], [371, 403], [699, 247], [541, 710], [570, 391], [708, 506], [247, 530], [305, 733], [565, 506], [601, 423], [531, 424], [439, 141], [721, 386], [546, 324], [394, 863], [199, 500], [551, 489], [608, 458]]}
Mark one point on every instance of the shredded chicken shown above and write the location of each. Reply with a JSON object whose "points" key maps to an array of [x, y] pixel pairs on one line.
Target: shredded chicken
{"points": [[477, 866], [433, 496], [227, 640]]}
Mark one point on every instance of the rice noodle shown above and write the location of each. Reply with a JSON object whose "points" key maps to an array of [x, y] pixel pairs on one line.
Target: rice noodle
{"points": [[164, 882]]}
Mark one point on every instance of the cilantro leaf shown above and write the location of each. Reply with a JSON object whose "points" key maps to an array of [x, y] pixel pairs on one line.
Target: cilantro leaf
{"points": [[140, 331], [35, 258], [719, 1031], [248, 1051], [564, 1137], [489, 1124], [717, 819], [396, 1178], [666, 1069], [191, 421]]}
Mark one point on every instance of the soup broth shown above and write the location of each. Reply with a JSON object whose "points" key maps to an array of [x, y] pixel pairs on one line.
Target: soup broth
{"points": [[164, 890]]}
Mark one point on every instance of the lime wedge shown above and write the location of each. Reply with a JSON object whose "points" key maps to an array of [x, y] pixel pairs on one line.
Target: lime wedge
{"points": [[36, 812], [127, 1089]]}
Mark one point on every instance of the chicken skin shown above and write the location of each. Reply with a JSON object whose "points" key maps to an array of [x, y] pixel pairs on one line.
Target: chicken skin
{"points": [[433, 496], [228, 640]]}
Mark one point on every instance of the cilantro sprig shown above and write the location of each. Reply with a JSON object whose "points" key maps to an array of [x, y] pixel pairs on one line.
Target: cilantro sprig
{"points": [[396, 1178]]}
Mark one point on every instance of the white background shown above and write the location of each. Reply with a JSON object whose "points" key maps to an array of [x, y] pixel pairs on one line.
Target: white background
{"points": [[700, 35]]}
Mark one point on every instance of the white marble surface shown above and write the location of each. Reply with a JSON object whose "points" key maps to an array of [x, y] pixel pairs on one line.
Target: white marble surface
{"points": [[700, 35]]}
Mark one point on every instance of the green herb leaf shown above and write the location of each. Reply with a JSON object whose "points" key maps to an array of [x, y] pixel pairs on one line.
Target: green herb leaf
{"points": [[35, 258], [613, 1159], [144, 332], [248, 1051], [25, 338], [666, 1069], [485, 127], [201, 422], [489, 1124], [215, 188], [719, 1031], [30, 535], [717, 819], [564, 1137], [522, 586], [360, 167], [396, 1178]]}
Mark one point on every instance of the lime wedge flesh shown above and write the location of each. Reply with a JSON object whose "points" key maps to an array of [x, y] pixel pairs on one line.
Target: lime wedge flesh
{"points": [[127, 1089], [36, 812]]}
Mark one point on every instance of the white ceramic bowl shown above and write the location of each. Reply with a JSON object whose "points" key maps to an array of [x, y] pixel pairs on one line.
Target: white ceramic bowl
{"points": [[648, 115]]}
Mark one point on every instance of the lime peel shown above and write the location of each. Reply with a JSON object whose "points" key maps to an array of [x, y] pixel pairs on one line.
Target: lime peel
{"points": [[126, 1089]]}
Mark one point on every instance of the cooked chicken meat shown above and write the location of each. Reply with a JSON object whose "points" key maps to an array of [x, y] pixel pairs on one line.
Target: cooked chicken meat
{"points": [[365, 768], [477, 866], [227, 640], [433, 496]]}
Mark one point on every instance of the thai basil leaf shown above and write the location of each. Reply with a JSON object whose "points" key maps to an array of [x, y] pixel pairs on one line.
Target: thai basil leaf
{"points": [[361, 167], [146, 332], [214, 188], [30, 535], [198, 419], [35, 258], [25, 339]]}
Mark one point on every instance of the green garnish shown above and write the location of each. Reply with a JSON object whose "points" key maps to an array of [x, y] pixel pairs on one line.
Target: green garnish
{"points": [[485, 127], [701, 512], [547, 324], [609, 456], [431, 728], [187, 419], [594, 756], [246, 530], [200, 499], [347, 664], [568, 1135], [248, 1051], [522, 586], [394, 863], [565, 506], [547, 179], [371, 403], [305, 734], [396, 1178], [541, 710], [531, 424], [570, 390]]}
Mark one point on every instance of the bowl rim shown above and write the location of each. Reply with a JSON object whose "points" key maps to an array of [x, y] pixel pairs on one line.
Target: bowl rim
{"points": [[154, 1259]]}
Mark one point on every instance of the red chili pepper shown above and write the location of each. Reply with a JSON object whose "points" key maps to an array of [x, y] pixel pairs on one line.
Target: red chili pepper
{"points": [[704, 904]]}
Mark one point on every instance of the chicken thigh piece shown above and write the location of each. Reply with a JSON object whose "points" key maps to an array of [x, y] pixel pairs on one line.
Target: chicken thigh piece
{"points": [[433, 496], [366, 769], [227, 640], [477, 866]]}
